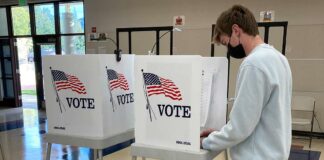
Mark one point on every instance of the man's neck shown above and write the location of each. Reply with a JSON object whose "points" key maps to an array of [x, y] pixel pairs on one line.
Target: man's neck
{"points": [[251, 42]]}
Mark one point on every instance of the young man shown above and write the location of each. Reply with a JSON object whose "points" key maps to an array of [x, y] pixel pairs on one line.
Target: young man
{"points": [[260, 121]]}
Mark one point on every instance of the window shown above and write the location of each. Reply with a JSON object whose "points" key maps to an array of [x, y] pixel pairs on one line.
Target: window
{"points": [[8, 68], [6, 51], [3, 22], [9, 93], [72, 17], [44, 16], [73, 45], [20, 20]]}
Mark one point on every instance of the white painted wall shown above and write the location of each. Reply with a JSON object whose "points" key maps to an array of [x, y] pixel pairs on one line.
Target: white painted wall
{"points": [[305, 44]]}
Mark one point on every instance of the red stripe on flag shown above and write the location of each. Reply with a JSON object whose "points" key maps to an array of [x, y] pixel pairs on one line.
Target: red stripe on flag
{"points": [[121, 82], [72, 83], [167, 88]]}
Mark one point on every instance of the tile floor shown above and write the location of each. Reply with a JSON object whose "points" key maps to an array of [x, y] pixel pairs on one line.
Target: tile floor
{"points": [[22, 132]]}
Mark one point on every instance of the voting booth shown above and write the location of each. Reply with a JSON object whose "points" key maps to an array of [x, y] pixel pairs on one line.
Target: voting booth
{"points": [[176, 97], [89, 98]]}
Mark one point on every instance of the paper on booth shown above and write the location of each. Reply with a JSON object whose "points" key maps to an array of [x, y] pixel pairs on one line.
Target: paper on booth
{"points": [[207, 80], [214, 92]]}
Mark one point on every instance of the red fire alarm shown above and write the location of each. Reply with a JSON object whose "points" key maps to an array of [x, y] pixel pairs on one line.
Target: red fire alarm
{"points": [[178, 20], [94, 29]]}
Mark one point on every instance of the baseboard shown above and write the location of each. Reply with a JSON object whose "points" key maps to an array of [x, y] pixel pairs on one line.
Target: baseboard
{"points": [[308, 134]]}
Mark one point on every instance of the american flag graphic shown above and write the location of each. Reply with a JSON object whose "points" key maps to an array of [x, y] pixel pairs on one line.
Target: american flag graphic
{"points": [[157, 85], [117, 80], [65, 81]]}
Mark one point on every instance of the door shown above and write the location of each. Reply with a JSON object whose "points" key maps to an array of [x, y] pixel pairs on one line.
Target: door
{"points": [[10, 92], [43, 46]]}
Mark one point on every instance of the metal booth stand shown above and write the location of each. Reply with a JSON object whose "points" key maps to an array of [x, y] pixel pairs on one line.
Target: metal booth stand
{"points": [[96, 144]]}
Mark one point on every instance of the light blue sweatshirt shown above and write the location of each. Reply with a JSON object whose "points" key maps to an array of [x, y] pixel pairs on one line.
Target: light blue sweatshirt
{"points": [[260, 121]]}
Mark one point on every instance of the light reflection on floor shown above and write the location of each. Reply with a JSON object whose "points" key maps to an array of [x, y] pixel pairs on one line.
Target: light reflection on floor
{"points": [[26, 143]]}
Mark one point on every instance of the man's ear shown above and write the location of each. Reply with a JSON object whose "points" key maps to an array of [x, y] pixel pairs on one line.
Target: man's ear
{"points": [[236, 29]]}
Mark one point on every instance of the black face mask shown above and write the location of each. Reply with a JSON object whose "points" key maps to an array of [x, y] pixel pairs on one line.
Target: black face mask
{"points": [[236, 52]]}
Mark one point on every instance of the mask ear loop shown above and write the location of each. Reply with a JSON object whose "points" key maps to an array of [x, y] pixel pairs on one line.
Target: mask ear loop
{"points": [[229, 41], [239, 37]]}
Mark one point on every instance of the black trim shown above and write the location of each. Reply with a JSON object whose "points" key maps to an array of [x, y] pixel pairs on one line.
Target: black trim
{"points": [[16, 76], [308, 134], [273, 24], [158, 43], [145, 29], [57, 28], [69, 1], [60, 1], [171, 43], [32, 19], [3, 79], [84, 30], [9, 100], [129, 42], [22, 36], [212, 46], [57, 18], [72, 34], [9, 22]]}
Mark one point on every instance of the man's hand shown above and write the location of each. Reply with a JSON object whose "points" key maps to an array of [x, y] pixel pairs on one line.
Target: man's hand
{"points": [[201, 139], [206, 132]]}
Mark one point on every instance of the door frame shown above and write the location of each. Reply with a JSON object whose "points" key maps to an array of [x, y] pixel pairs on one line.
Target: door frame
{"points": [[15, 101], [38, 41]]}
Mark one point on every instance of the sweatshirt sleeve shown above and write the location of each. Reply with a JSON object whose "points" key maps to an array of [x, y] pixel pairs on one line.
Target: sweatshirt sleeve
{"points": [[252, 93]]}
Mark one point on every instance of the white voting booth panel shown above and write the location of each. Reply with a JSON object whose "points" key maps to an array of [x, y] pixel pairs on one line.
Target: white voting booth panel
{"points": [[171, 101], [78, 93], [214, 92]]}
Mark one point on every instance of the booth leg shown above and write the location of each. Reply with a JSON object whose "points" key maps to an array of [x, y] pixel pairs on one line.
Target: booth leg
{"points": [[95, 154], [134, 157], [48, 151], [1, 152], [226, 154], [100, 154]]}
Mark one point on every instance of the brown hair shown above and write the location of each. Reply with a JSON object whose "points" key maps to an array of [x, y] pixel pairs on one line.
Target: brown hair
{"points": [[239, 15]]}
